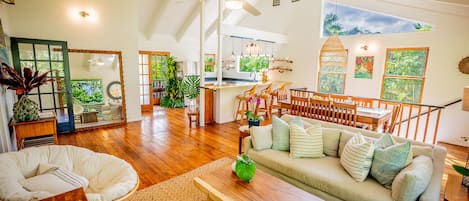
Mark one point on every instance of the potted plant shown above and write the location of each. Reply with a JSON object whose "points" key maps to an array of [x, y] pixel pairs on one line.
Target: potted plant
{"points": [[24, 109], [253, 118], [173, 93], [190, 87]]}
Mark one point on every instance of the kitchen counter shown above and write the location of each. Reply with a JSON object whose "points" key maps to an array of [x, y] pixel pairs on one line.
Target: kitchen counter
{"points": [[237, 84]]}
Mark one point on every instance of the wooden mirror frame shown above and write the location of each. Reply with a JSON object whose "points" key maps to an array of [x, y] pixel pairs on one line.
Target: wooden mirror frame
{"points": [[121, 76]]}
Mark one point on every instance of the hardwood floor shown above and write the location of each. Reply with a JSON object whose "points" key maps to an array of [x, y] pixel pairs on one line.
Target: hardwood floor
{"points": [[162, 145]]}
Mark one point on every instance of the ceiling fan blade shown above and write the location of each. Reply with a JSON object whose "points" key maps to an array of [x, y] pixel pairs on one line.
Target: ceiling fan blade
{"points": [[250, 8]]}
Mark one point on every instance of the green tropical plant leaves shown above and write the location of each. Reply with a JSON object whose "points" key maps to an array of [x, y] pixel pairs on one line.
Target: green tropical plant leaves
{"points": [[461, 170], [190, 86], [173, 94]]}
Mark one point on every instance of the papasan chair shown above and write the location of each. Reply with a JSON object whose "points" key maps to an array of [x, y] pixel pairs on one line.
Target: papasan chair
{"points": [[107, 177]]}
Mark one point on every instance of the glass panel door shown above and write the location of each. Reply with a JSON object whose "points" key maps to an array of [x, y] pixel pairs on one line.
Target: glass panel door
{"points": [[42, 56], [159, 62], [145, 82]]}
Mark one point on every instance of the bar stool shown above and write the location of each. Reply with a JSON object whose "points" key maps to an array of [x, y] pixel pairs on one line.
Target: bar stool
{"points": [[266, 97], [194, 116], [243, 104], [280, 93]]}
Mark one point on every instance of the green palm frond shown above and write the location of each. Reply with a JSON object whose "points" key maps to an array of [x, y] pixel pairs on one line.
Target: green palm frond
{"points": [[461, 170], [190, 86]]}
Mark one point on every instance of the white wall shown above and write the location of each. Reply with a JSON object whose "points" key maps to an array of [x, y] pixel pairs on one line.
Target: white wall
{"points": [[114, 28], [448, 44], [80, 68]]}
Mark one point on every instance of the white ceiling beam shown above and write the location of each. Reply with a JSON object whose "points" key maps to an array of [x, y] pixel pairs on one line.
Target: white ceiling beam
{"points": [[213, 27], [181, 31], [155, 18]]}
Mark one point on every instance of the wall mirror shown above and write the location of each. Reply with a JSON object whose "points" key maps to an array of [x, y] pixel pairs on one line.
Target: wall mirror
{"points": [[97, 88]]}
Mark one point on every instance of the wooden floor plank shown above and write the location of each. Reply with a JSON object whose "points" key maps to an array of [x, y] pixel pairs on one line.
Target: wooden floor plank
{"points": [[162, 145]]}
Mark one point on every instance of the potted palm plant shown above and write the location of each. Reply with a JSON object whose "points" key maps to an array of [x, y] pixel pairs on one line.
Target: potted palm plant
{"points": [[190, 87], [24, 109]]}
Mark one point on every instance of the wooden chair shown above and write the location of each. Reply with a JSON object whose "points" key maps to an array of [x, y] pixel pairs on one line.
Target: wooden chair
{"points": [[266, 98], [322, 96], [299, 92], [278, 94], [243, 104], [338, 98], [396, 110], [363, 102], [345, 114], [299, 106], [320, 109]]}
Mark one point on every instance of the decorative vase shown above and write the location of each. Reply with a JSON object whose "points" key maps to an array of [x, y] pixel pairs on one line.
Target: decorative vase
{"points": [[25, 110], [252, 123], [245, 168]]}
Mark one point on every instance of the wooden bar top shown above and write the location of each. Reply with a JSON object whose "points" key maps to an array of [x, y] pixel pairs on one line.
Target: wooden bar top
{"points": [[235, 84]]}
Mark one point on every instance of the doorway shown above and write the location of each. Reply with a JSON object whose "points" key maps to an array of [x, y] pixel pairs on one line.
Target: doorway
{"points": [[152, 84]]}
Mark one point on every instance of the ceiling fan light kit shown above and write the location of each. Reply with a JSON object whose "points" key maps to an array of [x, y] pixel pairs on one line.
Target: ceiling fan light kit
{"points": [[277, 2], [234, 4]]}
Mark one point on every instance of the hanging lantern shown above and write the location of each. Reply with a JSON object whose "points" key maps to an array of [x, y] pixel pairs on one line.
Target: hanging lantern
{"points": [[333, 53]]}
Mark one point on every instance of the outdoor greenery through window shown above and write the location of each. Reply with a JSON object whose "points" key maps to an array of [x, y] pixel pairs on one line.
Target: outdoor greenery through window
{"points": [[86, 92], [209, 62], [404, 74], [332, 80], [251, 63]]}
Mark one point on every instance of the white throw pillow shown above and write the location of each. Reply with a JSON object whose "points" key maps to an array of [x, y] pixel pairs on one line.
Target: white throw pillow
{"points": [[357, 157], [306, 143], [54, 180], [261, 137]]}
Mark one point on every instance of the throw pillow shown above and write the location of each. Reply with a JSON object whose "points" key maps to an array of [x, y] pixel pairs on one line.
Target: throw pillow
{"points": [[345, 136], [412, 181], [357, 156], [54, 180], [388, 162], [330, 138], [280, 134], [297, 121], [306, 143], [387, 140], [261, 137]]}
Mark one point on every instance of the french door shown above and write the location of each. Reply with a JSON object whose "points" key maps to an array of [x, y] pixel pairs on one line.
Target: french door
{"points": [[151, 81], [42, 56]]}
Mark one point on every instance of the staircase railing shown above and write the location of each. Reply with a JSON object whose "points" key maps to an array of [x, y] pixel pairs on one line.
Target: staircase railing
{"points": [[419, 122]]}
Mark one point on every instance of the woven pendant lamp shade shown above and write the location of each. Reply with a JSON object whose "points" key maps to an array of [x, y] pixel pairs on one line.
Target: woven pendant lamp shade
{"points": [[333, 53]]}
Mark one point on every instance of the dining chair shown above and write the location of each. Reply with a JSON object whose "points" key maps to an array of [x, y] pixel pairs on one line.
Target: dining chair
{"points": [[345, 114], [299, 92], [299, 106], [321, 110], [338, 98], [396, 110], [243, 104], [362, 102]]}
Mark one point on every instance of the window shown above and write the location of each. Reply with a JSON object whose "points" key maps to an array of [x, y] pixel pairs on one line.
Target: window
{"points": [[332, 80], [345, 20], [251, 63], [210, 62], [404, 74]]}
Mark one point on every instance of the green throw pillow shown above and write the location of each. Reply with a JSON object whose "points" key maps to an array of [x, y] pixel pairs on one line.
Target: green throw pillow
{"points": [[281, 132], [330, 138], [306, 143], [388, 162], [412, 181]]}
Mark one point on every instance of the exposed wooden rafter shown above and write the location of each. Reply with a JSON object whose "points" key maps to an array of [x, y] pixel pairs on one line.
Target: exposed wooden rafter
{"points": [[155, 18]]}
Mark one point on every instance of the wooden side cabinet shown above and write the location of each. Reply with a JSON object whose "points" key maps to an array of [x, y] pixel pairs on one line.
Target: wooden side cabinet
{"points": [[43, 127]]}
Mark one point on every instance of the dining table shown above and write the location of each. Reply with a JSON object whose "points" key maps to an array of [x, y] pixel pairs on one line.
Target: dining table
{"points": [[375, 117]]}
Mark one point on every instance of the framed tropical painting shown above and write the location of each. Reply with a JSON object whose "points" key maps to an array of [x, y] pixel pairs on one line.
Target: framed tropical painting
{"points": [[364, 67]]}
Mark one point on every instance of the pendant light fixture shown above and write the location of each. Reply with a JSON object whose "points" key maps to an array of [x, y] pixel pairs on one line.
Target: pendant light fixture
{"points": [[333, 53]]}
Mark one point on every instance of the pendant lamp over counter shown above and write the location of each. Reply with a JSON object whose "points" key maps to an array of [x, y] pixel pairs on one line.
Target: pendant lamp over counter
{"points": [[333, 53]]}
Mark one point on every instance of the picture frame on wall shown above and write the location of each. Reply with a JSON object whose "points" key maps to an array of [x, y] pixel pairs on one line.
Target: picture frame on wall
{"points": [[364, 67]]}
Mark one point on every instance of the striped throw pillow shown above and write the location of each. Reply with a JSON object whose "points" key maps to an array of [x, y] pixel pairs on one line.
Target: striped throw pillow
{"points": [[357, 157], [306, 143]]}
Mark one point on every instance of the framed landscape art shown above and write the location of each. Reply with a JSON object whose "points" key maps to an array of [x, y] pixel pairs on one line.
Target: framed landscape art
{"points": [[364, 67]]}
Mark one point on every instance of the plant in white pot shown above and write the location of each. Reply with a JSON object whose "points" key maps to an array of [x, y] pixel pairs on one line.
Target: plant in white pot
{"points": [[25, 109], [190, 87]]}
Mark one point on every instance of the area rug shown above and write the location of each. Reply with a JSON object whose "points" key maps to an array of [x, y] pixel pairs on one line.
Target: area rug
{"points": [[180, 187]]}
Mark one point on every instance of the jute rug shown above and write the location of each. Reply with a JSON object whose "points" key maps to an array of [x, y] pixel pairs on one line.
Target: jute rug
{"points": [[180, 187]]}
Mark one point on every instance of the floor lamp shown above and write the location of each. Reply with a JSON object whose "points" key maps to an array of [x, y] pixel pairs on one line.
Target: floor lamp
{"points": [[465, 107]]}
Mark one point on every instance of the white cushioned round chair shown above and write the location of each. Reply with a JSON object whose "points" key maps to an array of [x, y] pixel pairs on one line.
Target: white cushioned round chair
{"points": [[110, 178]]}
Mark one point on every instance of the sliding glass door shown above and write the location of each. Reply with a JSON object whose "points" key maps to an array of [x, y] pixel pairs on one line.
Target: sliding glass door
{"points": [[42, 56]]}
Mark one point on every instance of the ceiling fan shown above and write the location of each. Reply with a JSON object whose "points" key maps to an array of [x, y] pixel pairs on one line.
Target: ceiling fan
{"points": [[242, 4]]}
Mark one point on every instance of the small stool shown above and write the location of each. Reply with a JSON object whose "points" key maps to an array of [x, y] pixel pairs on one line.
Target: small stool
{"points": [[190, 115], [243, 132], [243, 104]]}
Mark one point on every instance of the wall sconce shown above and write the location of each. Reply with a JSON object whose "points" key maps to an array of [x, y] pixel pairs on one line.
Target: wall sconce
{"points": [[364, 47], [84, 14]]}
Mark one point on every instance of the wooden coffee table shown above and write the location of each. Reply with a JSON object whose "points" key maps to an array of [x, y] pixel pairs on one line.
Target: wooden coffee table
{"points": [[223, 184]]}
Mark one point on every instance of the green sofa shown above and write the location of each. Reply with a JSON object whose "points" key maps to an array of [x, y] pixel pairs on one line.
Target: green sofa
{"points": [[325, 177]]}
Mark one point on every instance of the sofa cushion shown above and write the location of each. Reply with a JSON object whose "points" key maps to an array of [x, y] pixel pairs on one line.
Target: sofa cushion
{"points": [[261, 137], [306, 143], [280, 134], [324, 174], [388, 161], [357, 157], [413, 180], [331, 138]]}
